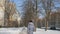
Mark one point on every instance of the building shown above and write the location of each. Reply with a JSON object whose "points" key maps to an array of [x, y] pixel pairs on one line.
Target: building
{"points": [[55, 19], [2, 9], [8, 18]]}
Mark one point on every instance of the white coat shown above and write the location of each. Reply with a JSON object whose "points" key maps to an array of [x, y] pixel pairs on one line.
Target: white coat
{"points": [[30, 28]]}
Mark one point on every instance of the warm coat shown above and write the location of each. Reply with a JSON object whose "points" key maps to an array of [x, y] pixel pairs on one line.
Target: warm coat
{"points": [[30, 28]]}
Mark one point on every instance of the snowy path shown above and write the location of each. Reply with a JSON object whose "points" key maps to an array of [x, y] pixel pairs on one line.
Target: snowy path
{"points": [[24, 31]]}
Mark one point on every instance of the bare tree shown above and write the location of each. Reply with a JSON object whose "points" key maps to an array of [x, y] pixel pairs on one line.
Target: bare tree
{"points": [[47, 4], [9, 11], [28, 11]]}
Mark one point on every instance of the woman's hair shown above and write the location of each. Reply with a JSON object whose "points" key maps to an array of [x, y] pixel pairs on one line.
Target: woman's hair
{"points": [[30, 21]]}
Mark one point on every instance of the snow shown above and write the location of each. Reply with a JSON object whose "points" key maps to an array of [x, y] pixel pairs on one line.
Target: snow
{"points": [[42, 31], [23, 30], [9, 31]]}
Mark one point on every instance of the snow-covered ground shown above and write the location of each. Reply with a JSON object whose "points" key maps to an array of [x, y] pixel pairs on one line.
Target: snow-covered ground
{"points": [[24, 31], [42, 31], [13, 30]]}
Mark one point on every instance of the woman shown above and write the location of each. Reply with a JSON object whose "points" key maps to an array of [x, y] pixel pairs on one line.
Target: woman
{"points": [[30, 27]]}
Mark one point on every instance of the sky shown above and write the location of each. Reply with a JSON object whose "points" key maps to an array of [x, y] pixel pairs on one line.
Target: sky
{"points": [[20, 2], [18, 5]]}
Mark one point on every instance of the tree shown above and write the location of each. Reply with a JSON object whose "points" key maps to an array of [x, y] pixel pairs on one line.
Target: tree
{"points": [[47, 4], [9, 11], [28, 11]]}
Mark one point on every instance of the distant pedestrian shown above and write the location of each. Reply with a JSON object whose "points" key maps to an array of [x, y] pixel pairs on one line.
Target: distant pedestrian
{"points": [[30, 28]]}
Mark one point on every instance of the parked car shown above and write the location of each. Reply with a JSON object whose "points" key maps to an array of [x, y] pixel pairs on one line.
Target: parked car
{"points": [[53, 27]]}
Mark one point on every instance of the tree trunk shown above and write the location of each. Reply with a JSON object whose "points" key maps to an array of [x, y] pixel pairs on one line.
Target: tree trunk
{"points": [[46, 25]]}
